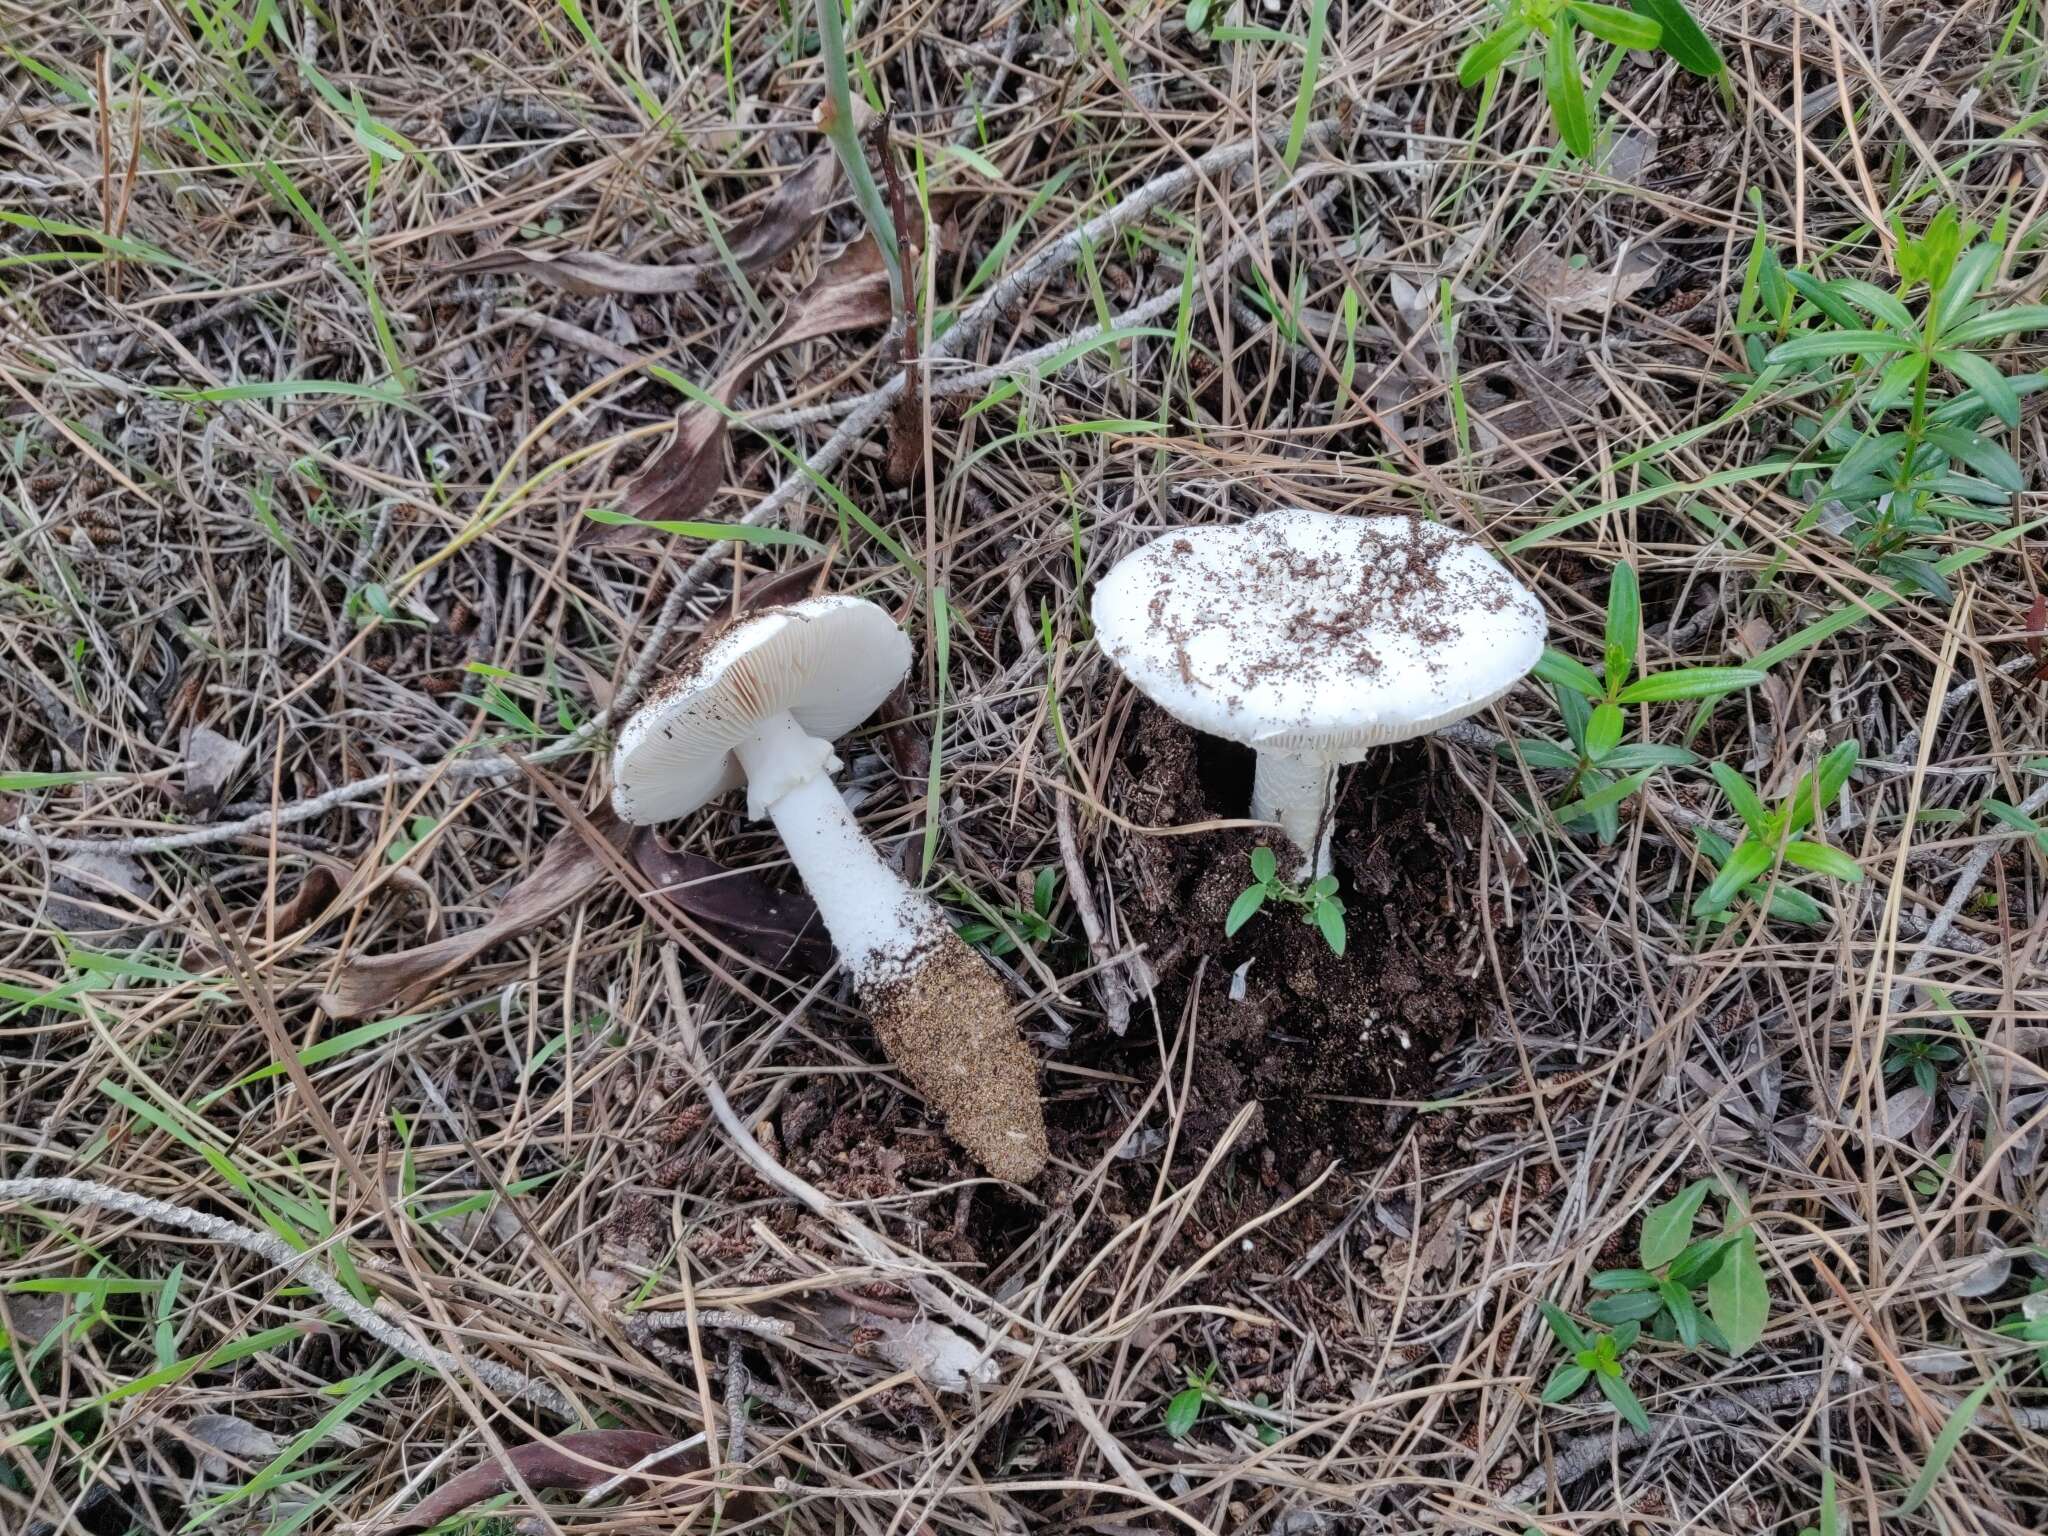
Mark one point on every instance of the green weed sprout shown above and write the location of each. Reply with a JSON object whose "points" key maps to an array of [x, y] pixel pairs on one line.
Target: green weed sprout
{"points": [[1771, 839], [1605, 767], [1319, 903], [1651, 24], [1595, 1358], [1659, 1294]]}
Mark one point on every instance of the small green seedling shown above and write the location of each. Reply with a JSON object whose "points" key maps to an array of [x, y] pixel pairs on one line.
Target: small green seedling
{"points": [[1606, 768], [1772, 840], [1184, 1408], [1674, 1265], [1595, 1358], [1651, 24], [2030, 1323], [1320, 905], [1922, 1055], [1032, 924]]}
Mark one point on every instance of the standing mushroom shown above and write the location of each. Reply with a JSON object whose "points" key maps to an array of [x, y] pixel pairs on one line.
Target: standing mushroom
{"points": [[1313, 638], [761, 705]]}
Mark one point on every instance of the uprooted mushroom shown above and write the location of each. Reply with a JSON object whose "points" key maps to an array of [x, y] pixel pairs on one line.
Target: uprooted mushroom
{"points": [[1312, 638], [761, 705]]}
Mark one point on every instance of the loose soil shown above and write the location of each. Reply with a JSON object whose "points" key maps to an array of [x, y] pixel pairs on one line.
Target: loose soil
{"points": [[1331, 1053]]}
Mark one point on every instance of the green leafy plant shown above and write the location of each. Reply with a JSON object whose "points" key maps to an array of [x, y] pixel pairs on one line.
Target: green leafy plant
{"points": [[1922, 1054], [1771, 840], [1184, 1408], [1320, 905], [2030, 1322], [1596, 1358], [1902, 455], [1555, 25], [1605, 767], [1032, 924], [1660, 1294]]}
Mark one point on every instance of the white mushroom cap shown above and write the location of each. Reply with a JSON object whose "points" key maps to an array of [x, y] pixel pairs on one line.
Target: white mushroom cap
{"points": [[1300, 631], [827, 661]]}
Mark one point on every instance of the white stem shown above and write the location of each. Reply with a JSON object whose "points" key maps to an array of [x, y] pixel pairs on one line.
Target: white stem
{"points": [[1299, 790], [875, 918]]}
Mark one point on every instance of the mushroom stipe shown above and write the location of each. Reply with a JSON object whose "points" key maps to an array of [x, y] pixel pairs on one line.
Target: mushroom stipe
{"points": [[760, 704]]}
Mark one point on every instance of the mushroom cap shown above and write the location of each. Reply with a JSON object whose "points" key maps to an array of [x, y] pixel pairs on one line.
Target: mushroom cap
{"points": [[1300, 631], [828, 661]]}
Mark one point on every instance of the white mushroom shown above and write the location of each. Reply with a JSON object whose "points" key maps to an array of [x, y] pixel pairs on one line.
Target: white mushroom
{"points": [[1313, 638], [761, 705]]}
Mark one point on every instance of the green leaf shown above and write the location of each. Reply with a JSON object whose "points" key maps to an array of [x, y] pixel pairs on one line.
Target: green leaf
{"points": [[1490, 52], [1689, 683], [1681, 36], [1642, 754], [1329, 917], [739, 533], [1823, 860], [1875, 301], [1822, 296], [1265, 864], [1567, 92], [10, 782], [1565, 1382], [1567, 1331], [2018, 820], [1244, 909], [1539, 754], [2001, 322], [1668, 1228], [1819, 786], [1977, 264], [1849, 343], [1686, 1316], [1625, 1337], [1745, 800], [1617, 1392], [1830, 1522], [1043, 889], [1984, 379], [1603, 732], [1699, 1261], [1556, 667], [1183, 1410], [1602, 799], [1953, 1428], [1901, 376], [1739, 1297], [1624, 625], [1612, 24], [1749, 860], [1624, 1307], [1989, 459], [1623, 1280]]}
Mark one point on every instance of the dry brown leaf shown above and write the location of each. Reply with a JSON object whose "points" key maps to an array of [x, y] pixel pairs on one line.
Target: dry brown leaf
{"points": [[850, 293], [575, 1462], [1590, 288], [762, 241], [211, 760], [776, 927], [568, 871]]}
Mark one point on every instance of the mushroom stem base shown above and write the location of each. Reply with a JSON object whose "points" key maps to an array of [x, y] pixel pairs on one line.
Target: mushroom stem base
{"points": [[1299, 790]]}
